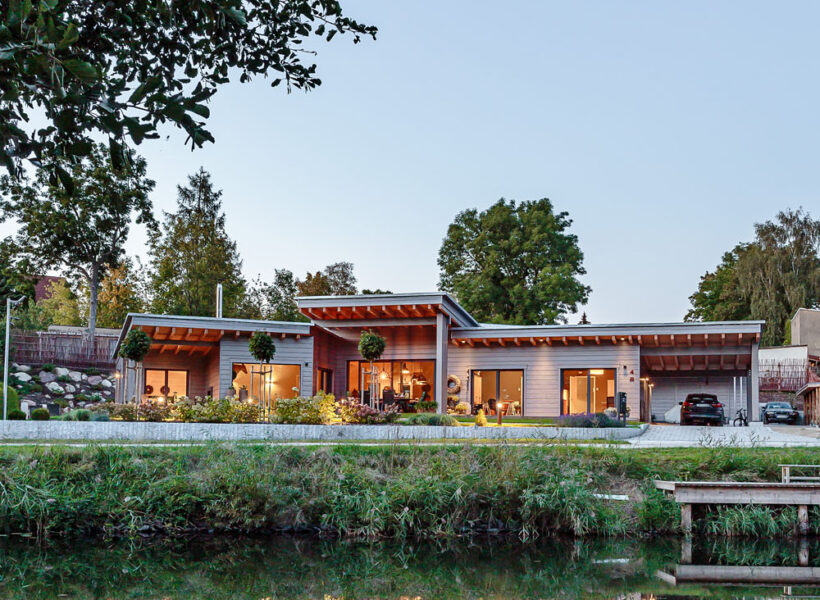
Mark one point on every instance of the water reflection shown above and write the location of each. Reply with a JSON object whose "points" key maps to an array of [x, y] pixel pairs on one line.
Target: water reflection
{"points": [[299, 568]]}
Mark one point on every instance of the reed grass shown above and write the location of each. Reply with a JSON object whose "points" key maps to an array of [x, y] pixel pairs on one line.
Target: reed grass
{"points": [[367, 492]]}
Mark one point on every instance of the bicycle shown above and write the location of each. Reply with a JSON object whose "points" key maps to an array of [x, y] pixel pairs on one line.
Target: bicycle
{"points": [[741, 420]]}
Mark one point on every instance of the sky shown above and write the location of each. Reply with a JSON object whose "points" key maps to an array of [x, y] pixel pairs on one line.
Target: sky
{"points": [[664, 129]]}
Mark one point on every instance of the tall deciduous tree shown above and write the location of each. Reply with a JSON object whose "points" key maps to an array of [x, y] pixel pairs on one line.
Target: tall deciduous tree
{"points": [[514, 263], [124, 68], [122, 291], [769, 278], [336, 279], [194, 254], [84, 232]]}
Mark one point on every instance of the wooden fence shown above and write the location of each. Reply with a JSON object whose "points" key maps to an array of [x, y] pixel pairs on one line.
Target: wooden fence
{"points": [[787, 375], [62, 349]]}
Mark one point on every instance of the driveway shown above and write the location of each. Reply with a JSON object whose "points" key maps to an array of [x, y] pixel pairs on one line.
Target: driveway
{"points": [[757, 434]]}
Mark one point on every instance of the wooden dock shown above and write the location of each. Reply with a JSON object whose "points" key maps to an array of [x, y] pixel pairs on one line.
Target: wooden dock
{"points": [[688, 493]]}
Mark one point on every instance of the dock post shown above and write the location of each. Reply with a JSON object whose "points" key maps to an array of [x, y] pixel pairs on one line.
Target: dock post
{"points": [[686, 551], [803, 519], [803, 555], [686, 518]]}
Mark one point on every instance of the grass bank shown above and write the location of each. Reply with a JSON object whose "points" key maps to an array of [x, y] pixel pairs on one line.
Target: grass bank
{"points": [[396, 491]]}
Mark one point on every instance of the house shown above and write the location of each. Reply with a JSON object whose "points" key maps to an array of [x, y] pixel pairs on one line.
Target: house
{"points": [[805, 331], [437, 351]]}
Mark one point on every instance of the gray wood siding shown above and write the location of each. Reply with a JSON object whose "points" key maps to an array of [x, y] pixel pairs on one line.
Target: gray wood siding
{"points": [[542, 367], [668, 391], [212, 373], [288, 351]]}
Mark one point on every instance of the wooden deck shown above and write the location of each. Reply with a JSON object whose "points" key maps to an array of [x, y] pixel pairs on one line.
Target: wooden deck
{"points": [[686, 493]]}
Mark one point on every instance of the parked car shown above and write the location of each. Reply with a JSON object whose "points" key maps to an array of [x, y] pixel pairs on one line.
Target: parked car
{"points": [[780, 412], [703, 408]]}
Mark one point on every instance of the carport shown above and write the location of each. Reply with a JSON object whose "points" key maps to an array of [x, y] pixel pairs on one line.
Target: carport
{"points": [[714, 358]]}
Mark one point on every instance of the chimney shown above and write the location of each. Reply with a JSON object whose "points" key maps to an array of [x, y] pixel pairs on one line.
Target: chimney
{"points": [[218, 300]]}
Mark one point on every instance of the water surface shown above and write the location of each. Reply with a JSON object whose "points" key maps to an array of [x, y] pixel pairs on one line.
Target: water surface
{"points": [[306, 568]]}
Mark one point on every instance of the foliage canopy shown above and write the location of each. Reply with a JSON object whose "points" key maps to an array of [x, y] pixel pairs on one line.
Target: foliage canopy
{"points": [[514, 263], [122, 69]]}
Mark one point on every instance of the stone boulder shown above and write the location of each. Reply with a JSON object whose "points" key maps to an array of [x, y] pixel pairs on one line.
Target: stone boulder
{"points": [[69, 396], [70, 388], [46, 377], [106, 383], [94, 380], [61, 371], [21, 368], [22, 376], [75, 376], [55, 388]]}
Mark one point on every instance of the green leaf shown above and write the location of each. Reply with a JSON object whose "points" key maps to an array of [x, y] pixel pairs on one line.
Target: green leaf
{"points": [[145, 88], [66, 180], [201, 110], [331, 34], [236, 14], [82, 70], [117, 153], [70, 36]]}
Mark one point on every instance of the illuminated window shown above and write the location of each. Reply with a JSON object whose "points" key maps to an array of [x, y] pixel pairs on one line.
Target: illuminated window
{"points": [[164, 383], [256, 381], [497, 391], [587, 390]]}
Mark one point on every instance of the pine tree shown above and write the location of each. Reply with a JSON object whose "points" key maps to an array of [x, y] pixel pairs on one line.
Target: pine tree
{"points": [[195, 254]]}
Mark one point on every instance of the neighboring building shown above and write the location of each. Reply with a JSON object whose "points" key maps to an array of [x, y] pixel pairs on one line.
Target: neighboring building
{"points": [[42, 289], [805, 331], [783, 371], [436, 350]]}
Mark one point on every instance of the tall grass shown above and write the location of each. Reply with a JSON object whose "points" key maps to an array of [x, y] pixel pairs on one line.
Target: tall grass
{"points": [[354, 491]]}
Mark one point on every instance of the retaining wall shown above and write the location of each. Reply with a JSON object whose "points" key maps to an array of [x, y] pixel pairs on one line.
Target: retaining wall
{"points": [[201, 432]]}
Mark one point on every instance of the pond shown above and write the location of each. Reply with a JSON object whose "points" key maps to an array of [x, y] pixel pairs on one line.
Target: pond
{"points": [[306, 568]]}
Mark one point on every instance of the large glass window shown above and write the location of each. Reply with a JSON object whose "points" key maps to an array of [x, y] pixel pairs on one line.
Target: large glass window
{"points": [[404, 380], [587, 390], [255, 381], [497, 391], [164, 383]]}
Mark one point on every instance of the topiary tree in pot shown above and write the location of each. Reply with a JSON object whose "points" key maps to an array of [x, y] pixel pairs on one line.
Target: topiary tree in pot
{"points": [[371, 348], [263, 349], [134, 348]]}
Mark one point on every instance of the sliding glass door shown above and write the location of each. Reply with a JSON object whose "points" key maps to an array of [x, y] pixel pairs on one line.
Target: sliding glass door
{"points": [[497, 391], [587, 390]]}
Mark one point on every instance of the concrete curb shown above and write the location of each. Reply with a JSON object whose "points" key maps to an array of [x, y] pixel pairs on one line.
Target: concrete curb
{"points": [[203, 432]]}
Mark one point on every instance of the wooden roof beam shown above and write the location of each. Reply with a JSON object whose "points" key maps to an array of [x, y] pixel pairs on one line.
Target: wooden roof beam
{"points": [[501, 342], [517, 342], [486, 342], [598, 340], [533, 342], [581, 340], [564, 339], [614, 340]]}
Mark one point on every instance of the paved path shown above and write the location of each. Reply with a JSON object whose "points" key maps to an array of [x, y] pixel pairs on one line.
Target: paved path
{"points": [[757, 434]]}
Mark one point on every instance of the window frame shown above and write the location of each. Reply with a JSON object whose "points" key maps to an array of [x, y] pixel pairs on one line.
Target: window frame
{"points": [[273, 364], [392, 361], [166, 371], [498, 372], [589, 376]]}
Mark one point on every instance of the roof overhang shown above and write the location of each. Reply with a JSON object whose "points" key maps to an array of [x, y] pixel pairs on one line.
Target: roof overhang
{"points": [[811, 385], [646, 334], [383, 310], [194, 334]]}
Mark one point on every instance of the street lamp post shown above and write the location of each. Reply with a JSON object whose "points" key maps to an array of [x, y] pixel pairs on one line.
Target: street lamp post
{"points": [[9, 304]]}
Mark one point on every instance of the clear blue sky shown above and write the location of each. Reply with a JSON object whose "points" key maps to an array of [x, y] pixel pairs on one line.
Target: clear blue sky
{"points": [[664, 129]]}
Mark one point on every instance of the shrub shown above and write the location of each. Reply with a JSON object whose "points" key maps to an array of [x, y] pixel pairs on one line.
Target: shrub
{"points": [[16, 415], [353, 411], [371, 345], [13, 400], [480, 419], [432, 419], [588, 421], [155, 411], [313, 410], [214, 410], [461, 408], [82, 414], [261, 347], [135, 346], [61, 402], [81, 398], [92, 371], [48, 367], [100, 416], [69, 416], [40, 414], [426, 406], [124, 412]]}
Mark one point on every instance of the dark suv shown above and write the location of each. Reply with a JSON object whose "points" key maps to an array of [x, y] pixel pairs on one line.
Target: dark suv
{"points": [[701, 407], [780, 412]]}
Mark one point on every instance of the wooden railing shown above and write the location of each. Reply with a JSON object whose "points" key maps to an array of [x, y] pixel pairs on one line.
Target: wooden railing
{"points": [[62, 349]]}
